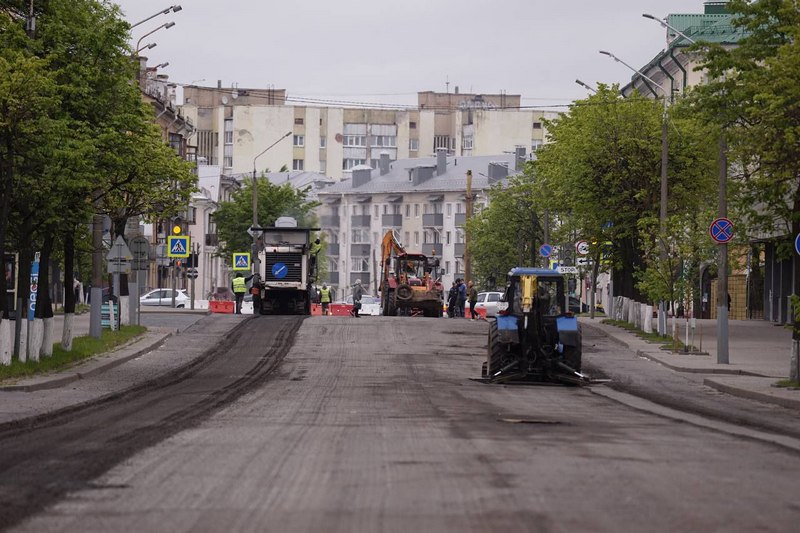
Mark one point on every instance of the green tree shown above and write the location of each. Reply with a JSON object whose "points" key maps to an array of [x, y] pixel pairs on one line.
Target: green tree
{"points": [[234, 218], [754, 97]]}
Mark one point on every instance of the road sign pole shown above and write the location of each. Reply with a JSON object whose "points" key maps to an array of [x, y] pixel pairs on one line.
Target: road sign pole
{"points": [[722, 287]]}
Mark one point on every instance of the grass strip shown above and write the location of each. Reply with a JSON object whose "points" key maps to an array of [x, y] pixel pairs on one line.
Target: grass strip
{"points": [[82, 348], [654, 337]]}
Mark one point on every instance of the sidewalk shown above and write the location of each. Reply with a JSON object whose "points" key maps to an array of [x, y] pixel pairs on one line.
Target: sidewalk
{"points": [[159, 353], [758, 352]]}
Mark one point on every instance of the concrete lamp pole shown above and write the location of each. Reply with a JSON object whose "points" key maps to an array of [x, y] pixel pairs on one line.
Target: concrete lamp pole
{"points": [[174, 9], [662, 317], [256, 262]]}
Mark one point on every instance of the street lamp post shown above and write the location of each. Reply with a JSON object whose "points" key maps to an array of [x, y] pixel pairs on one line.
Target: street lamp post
{"points": [[147, 47], [174, 9], [669, 27], [256, 262], [586, 86], [662, 320], [166, 25]]}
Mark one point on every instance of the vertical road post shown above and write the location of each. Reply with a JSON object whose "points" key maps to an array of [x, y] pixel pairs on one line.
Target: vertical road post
{"points": [[722, 286]]}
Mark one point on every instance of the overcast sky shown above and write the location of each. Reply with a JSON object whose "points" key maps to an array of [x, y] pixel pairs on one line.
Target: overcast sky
{"points": [[387, 50]]}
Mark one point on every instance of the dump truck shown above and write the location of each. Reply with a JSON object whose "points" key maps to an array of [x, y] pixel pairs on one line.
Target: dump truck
{"points": [[534, 337], [287, 270], [410, 282]]}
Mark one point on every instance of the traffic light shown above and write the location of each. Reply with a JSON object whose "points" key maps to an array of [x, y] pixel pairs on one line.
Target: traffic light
{"points": [[191, 261]]}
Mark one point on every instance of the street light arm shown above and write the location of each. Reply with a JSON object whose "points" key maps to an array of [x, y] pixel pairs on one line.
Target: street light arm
{"points": [[174, 9], [147, 47], [643, 76], [267, 149], [166, 25], [586, 86], [665, 24]]}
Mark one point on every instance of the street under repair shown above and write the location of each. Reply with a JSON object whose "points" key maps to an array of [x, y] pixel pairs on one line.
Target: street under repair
{"points": [[379, 424]]}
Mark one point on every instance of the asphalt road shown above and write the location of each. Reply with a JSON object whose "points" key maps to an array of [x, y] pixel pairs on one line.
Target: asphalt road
{"points": [[374, 425]]}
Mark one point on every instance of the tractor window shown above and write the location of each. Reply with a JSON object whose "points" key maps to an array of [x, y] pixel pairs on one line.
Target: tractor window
{"points": [[547, 298]]}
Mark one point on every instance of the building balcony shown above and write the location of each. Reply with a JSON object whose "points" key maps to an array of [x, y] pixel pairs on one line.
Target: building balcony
{"points": [[435, 247], [459, 248], [461, 219], [360, 250], [329, 221], [392, 221], [360, 221], [212, 239], [433, 220], [363, 276], [333, 248]]}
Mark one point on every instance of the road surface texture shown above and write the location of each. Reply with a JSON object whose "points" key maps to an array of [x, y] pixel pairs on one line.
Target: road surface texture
{"points": [[374, 425]]}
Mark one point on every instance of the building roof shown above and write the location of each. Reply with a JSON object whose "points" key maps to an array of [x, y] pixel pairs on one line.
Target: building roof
{"points": [[453, 179]]}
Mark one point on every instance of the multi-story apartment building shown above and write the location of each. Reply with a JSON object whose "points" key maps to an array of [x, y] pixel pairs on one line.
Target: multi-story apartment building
{"points": [[235, 125], [422, 200]]}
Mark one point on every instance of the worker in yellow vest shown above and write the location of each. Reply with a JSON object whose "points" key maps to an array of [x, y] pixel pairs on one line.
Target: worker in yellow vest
{"points": [[325, 298], [239, 287]]}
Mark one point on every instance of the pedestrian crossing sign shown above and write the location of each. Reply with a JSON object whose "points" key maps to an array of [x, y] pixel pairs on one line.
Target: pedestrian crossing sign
{"points": [[241, 261], [178, 246]]}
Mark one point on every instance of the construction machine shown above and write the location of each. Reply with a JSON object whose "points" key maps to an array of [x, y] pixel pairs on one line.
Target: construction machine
{"points": [[409, 281], [534, 337]]}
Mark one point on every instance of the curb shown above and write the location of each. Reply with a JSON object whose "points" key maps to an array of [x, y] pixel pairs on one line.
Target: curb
{"points": [[752, 395], [724, 371], [60, 380]]}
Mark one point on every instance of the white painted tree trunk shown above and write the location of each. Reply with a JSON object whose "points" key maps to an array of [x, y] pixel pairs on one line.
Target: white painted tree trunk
{"points": [[648, 319], [35, 332], [66, 333], [6, 342], [794, 371], [47, 338], [23, 341], [112, 318], [124, 310]]}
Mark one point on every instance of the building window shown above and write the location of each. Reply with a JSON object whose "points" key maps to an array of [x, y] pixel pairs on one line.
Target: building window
{"points": [[447, 267], [408, 210], [358, 141], [348, 164], [323, 167], [360, 236], [460, 207], [406, 239], [535, 144], [449, 210], [458, 266], [227, 153], [297, 164], [365, 210], [228, 131], [413, 145], [332, 265], [385, 209], [377, 212], [537, 125], [299, 140], [416, 238], [447, 236], [355, 210], [360, 264], [416, 210], [323, 141], [396, 209], [298, 121], [441, 141], [412, 125], [467, 142], [385, 141]]}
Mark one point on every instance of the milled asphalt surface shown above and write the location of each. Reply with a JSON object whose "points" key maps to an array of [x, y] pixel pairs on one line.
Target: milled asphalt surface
{"points": [[189, 377], [375, 425]]}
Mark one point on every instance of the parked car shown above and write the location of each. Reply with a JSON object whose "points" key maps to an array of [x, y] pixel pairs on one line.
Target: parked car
{"points": [[486, 300], [163, 297]]}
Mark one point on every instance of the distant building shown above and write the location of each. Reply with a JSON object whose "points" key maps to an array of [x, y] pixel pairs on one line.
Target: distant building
{"points": [[236, 124], [422, 200]]}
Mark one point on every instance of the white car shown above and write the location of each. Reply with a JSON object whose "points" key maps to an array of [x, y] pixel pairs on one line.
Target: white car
{"points": [[163, 297], [486, 300], [370, 305]]}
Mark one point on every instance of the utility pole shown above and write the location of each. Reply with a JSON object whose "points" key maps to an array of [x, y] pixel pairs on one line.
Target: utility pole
{"points": [[546, 236], [722, 285], [96, 295], [467, 262]]}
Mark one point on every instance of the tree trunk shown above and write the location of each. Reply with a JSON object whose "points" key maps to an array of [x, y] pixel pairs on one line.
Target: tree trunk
{"points": [[69, 289], [794, 370], [24, 286], [631, 261]]}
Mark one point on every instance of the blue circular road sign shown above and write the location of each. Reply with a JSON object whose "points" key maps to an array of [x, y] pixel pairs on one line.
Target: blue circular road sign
{"points": [[797, 244], [279, 270], [545, 250], [721, 230]]}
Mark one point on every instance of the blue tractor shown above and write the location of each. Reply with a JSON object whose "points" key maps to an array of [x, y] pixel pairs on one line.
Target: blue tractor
{"points": [[535, 337]]}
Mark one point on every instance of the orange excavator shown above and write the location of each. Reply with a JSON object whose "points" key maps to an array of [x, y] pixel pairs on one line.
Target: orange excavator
{"points": [[410, 282]]}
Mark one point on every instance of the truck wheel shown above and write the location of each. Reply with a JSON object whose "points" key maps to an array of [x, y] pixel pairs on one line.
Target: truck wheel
{"points": [[404, 292]]}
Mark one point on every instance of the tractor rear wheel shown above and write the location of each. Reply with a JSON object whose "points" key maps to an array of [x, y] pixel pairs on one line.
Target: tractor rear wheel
{"points": [[496, 353]]}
